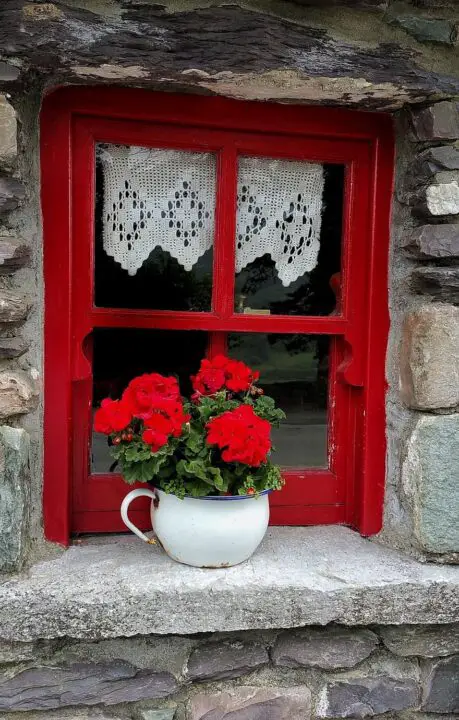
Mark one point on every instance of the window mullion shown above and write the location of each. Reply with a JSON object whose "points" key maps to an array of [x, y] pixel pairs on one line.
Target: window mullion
{"points": [[225, 233]]}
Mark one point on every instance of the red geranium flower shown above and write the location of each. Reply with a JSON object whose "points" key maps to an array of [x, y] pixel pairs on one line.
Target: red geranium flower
{"points": [[158, 432], [241, 435], [112, 416], [211, 376], [239, 377], [166, 419], [172, 410], [142, 393], [221, 372]]}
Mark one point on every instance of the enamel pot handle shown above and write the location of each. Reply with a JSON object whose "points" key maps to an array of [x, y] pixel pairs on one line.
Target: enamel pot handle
{"points": [[124, 511]]}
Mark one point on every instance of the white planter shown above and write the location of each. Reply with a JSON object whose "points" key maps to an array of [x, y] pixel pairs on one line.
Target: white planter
{"points": [[205, 532]]}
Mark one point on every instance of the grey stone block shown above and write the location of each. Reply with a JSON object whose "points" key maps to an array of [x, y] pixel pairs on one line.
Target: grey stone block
{"points": [[437, 122], [442, 687], [299, 576], [365, 697], [440, 282], [46, 688], [430, 476], [8, 128], [8, 73], [435, 30], [18, 394], [12, 347], [14, 254], [327, 648], [426, 641], [434, 241], [11, 193], [250, 703], [442, 156], [429, 358], [442, 198], [163, 714], [14, 307], [219, 660], [14, 496]]}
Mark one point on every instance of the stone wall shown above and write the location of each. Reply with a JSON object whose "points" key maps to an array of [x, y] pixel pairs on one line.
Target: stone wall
{"points": [[422, 504], [332, 672], [377, 54]]}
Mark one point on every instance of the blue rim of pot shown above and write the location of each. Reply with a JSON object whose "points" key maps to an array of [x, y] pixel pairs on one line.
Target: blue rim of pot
{"points": [[226, 497]]}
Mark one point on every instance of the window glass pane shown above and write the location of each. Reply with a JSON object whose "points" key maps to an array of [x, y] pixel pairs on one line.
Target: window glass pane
{"points": [[288, 244], [154, 228], [120, 355], [294, 371]]}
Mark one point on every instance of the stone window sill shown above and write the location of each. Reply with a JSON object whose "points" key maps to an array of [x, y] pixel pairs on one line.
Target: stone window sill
{"points": [[109, 587]]}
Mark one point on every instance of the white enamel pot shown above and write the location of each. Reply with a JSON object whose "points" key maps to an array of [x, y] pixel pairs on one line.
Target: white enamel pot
{"points": [[210, 532]]}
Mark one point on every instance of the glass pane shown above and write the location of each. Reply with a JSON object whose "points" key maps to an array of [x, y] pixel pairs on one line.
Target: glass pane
{"points": [[294, 371], [154, 228], [119, 355], [288, 245]]}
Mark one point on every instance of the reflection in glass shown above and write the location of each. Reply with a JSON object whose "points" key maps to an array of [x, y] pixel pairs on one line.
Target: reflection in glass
{"points": [[154, 228], [259, 289], [294, 371], [121, 354]]}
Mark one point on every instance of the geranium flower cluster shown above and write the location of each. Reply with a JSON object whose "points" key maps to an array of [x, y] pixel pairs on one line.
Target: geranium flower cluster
{"points": [[222, 373], [217, 444], [241, 435], [152, 399]]}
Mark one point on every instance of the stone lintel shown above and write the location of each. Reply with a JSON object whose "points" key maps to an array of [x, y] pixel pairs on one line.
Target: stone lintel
{"points": [[298, 577]]}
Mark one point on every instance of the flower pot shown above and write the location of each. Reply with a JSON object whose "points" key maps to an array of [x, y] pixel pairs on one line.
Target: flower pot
{"points": [[210, 532]]}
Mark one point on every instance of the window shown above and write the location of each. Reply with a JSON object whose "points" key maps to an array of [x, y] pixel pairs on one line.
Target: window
{"points": [[177, 226]]}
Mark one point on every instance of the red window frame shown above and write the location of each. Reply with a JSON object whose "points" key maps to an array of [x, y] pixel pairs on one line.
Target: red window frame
{"points": [[73, 120]]}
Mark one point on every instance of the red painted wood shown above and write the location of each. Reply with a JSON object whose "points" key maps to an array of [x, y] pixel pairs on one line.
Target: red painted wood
{"points": [[55, 153], [307, 515], [164, 319], [73, 120], [110, 521]]}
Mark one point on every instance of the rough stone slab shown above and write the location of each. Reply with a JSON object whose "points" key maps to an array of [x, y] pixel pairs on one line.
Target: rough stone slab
{"points": [[435, 30], [434, 241], [14, 307], [251, 703], [441, 157], [222, 660], [11, 193], [443, 198], [163, 714], [298, 577], [8, 128], [12, 347], [328, 649], [430, 480], [426, 641], [442, 694], [242, 52], [437, 122], [46, 688], [365, 697], [14, 254], [441, 283], [8, 73], [14, 496], [429, 358], [18, 394]]}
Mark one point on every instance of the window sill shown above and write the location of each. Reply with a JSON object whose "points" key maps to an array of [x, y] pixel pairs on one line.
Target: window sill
{"points": [[109, 587]]}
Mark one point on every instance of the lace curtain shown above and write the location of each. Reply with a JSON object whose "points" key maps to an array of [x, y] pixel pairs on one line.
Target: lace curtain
{"points": [[166, 198]]}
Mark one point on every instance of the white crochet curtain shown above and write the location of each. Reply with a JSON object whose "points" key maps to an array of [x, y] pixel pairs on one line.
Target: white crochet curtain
{"points": [[166, 198]]}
